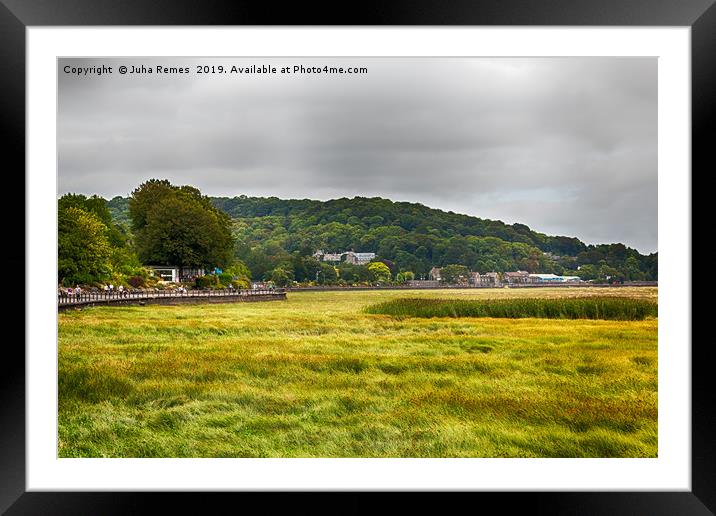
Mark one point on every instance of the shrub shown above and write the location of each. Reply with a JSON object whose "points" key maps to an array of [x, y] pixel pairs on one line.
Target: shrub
{"points": [[241, 283], [207, 281], [136, 281], [225, 278]]}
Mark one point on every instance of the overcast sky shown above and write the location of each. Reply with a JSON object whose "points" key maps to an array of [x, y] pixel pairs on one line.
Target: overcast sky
{"points": [[567, 146]]}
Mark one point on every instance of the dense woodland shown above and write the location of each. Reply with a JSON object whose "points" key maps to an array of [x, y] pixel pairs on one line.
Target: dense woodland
{"points": [[275, 239]]}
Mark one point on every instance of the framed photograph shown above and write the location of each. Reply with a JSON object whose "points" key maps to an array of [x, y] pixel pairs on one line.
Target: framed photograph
{"points": [[418, 253]]}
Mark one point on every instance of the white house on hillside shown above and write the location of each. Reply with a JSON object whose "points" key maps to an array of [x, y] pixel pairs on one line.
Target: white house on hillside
{"points": [[351, 257], [359, 258]]}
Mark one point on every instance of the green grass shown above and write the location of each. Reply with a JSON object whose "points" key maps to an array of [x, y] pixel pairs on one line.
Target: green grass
{"points": [[315, 376], [589, 307]]}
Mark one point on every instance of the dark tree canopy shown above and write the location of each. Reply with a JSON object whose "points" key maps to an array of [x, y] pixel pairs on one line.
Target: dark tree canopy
{"points": [[179, 226]]}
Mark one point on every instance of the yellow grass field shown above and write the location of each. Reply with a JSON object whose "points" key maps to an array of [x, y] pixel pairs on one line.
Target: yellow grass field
{"points": [[315, 376]]}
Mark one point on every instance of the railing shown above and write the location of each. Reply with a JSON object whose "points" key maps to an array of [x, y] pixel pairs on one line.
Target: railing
{"points": [[65, 298]]}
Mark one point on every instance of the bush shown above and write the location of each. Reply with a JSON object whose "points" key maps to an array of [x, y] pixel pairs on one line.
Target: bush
{"points": [[241, 283], [225, 278], [207, 281], [136, 281]]}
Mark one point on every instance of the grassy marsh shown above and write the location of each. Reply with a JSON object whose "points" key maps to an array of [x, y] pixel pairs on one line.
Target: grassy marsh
{"points": [[315, 376]]}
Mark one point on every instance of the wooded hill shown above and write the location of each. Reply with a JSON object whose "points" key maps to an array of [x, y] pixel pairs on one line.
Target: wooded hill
{"points": [[272, 232]]}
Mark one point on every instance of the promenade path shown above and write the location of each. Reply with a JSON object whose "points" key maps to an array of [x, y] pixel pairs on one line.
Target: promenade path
{"points": [[151, 296]]}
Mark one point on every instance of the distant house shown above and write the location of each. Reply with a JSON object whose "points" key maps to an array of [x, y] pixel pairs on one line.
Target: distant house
{"points": [[434, 274], [462, 281], [351, 257], [359, 258], [517, 277], [489, 279], [553, 278]]}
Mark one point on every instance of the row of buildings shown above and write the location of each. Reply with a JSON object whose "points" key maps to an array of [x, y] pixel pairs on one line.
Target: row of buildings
{"points": [[489, 279], [350, 257], [496, 279]]}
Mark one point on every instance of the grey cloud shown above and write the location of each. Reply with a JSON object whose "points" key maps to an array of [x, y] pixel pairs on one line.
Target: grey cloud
{"points": [[566, 146]]}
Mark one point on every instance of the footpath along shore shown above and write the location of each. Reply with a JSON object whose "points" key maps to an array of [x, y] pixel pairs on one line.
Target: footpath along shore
{"points": [[167, 297]]}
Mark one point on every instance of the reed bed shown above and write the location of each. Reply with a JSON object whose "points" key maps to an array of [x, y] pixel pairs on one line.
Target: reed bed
{"points": [[611, 308]]}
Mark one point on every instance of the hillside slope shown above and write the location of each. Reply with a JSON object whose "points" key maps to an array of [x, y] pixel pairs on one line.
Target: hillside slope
{"points": [[272, 231]]}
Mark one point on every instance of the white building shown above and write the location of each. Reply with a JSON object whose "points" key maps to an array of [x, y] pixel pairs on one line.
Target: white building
{"points": [[359, 258], [553, 278], [488, 279], [351, 257], [166, 273], [333, 257], [174, 274]]}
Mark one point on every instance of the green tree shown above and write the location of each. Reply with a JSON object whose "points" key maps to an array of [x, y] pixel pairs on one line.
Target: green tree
{"points": [[631, 268], [281, 277], [403, 277], [588, 272], [145, 197], [452, 274], [379, 272], [84, 253], [353, 273], [98, 207], [327, 274], [178, 226], [238, 269], [305, 268]]}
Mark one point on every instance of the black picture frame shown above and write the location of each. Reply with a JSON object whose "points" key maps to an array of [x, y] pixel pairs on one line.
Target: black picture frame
{"points": [[17, 15]]}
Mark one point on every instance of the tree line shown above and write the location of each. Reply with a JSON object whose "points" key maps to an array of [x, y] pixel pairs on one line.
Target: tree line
{"points": [[415, 238], [273, 239]]}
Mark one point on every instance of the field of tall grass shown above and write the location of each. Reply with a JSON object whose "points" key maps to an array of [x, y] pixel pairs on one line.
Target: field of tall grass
{"points": [[613, 308], [316, 376]]}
